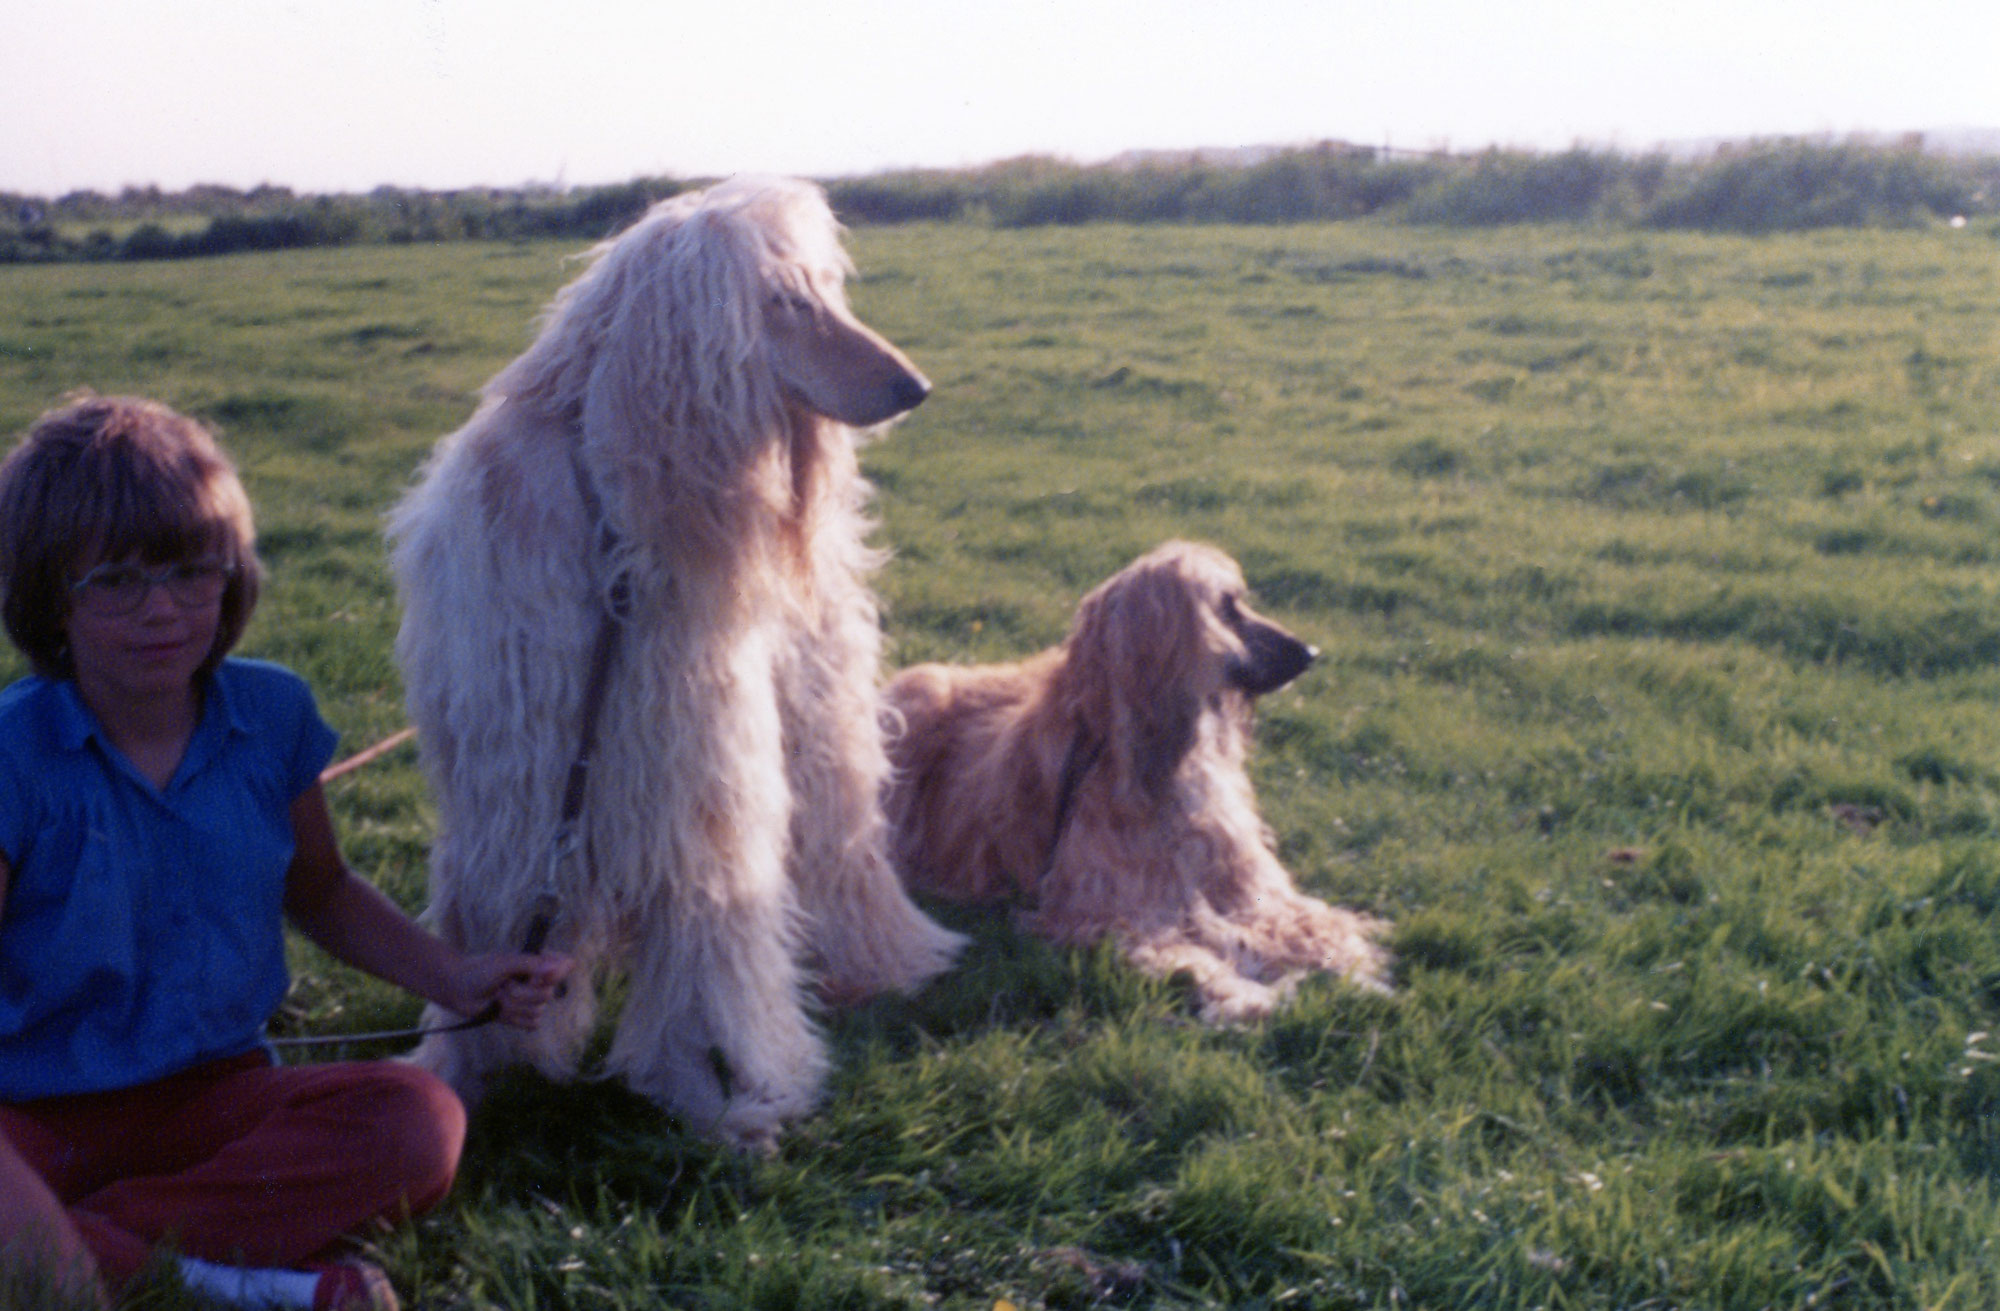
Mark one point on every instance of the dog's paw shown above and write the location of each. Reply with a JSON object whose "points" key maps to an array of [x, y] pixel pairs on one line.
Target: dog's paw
{"points": [[1230, 1000], [751, 1124], [760, 1143]]}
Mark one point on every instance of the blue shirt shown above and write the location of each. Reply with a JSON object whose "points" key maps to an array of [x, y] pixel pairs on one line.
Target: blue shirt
{"points": [[143, 928]]}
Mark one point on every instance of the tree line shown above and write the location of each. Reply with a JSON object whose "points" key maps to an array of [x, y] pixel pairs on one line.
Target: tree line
{"points": [[1784, 185]]}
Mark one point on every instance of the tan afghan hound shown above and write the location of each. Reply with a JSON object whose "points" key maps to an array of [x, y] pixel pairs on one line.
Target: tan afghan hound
{"points": [[1102, 783], [682, 424]]}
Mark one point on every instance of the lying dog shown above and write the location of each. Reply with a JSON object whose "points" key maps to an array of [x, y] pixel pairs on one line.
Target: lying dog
{"points": [[1103, 783]]}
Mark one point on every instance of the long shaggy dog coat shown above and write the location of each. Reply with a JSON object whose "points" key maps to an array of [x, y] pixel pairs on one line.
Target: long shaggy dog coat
{"points": [[1102, 782], [681, 421]]}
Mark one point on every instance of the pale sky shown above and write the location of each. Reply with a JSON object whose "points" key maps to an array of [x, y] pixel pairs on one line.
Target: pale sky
{"points": [[345, 95]]}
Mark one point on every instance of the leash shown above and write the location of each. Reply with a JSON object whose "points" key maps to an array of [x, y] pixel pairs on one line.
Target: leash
{"points": [[487, 1016], [566, 842], [368, 757]]}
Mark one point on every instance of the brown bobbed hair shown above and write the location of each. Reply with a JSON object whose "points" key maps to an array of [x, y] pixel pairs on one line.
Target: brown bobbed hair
{"points": [[116, 478]]}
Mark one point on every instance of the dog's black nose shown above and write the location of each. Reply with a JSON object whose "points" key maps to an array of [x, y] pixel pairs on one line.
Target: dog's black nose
{"points": [[1276, 658], [910, 391], [1291, 659]]}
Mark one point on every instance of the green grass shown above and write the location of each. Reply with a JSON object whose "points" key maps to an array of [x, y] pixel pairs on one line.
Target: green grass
{"points": [[1659, 710]]}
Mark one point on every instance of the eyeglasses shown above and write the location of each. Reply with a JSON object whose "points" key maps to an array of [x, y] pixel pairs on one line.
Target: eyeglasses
{"points": [[119, 588]]}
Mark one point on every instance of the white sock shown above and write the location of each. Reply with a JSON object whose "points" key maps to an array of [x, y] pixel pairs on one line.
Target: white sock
{"points": [[249, 1286]]}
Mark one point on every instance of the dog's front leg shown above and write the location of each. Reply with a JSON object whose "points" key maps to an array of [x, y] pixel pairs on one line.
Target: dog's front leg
{"points": [[715, 1026], [468, 1058]]}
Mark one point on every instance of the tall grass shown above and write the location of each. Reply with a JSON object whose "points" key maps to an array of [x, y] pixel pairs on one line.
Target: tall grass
{"points": [[1655, 578]]}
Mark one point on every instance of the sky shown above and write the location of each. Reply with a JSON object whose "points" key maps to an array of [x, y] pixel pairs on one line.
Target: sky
{"points": [[346, 95]]}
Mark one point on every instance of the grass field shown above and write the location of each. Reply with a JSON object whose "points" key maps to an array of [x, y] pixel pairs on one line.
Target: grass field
{"points": [[1660, 710]]}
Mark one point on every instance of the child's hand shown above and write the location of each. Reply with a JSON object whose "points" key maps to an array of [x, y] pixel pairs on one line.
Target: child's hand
{"points": [[521, 985]]}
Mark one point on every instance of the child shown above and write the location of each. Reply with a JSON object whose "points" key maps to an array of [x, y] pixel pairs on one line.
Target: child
{"points": [[160, 815]]}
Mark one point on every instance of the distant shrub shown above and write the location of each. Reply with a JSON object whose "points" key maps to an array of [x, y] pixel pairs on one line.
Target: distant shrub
{"points": [[1062, 201], [900, 197], [1768, 187], [605, 210], [1320, 184], [275, 232], [1787, 186], [1518, 187]]}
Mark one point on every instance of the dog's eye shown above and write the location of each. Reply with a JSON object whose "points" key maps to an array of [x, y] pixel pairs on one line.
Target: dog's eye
{"points": [[1231, 611]]}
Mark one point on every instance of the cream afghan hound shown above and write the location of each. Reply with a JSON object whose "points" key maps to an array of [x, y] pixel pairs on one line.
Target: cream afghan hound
{"points": [[683, 422], [1102, 783]]}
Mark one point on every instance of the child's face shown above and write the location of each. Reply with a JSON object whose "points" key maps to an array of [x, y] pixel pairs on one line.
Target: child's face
{"points": [[154, 647]]}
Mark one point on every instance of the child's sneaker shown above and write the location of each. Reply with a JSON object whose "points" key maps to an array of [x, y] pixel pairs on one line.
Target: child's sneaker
{"points": [[353, 1286]]}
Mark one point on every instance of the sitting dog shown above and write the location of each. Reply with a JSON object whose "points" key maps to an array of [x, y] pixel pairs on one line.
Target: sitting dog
{"points": [[648, 546], [1102, 782]]}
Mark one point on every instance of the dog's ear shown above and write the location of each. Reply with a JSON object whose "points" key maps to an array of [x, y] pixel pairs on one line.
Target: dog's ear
{"points": [[683, 319], [1162, 738], [677, 424], [1133, 655]]}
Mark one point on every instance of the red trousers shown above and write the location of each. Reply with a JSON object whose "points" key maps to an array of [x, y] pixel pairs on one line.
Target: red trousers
{"points": [[241, 1161]]}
